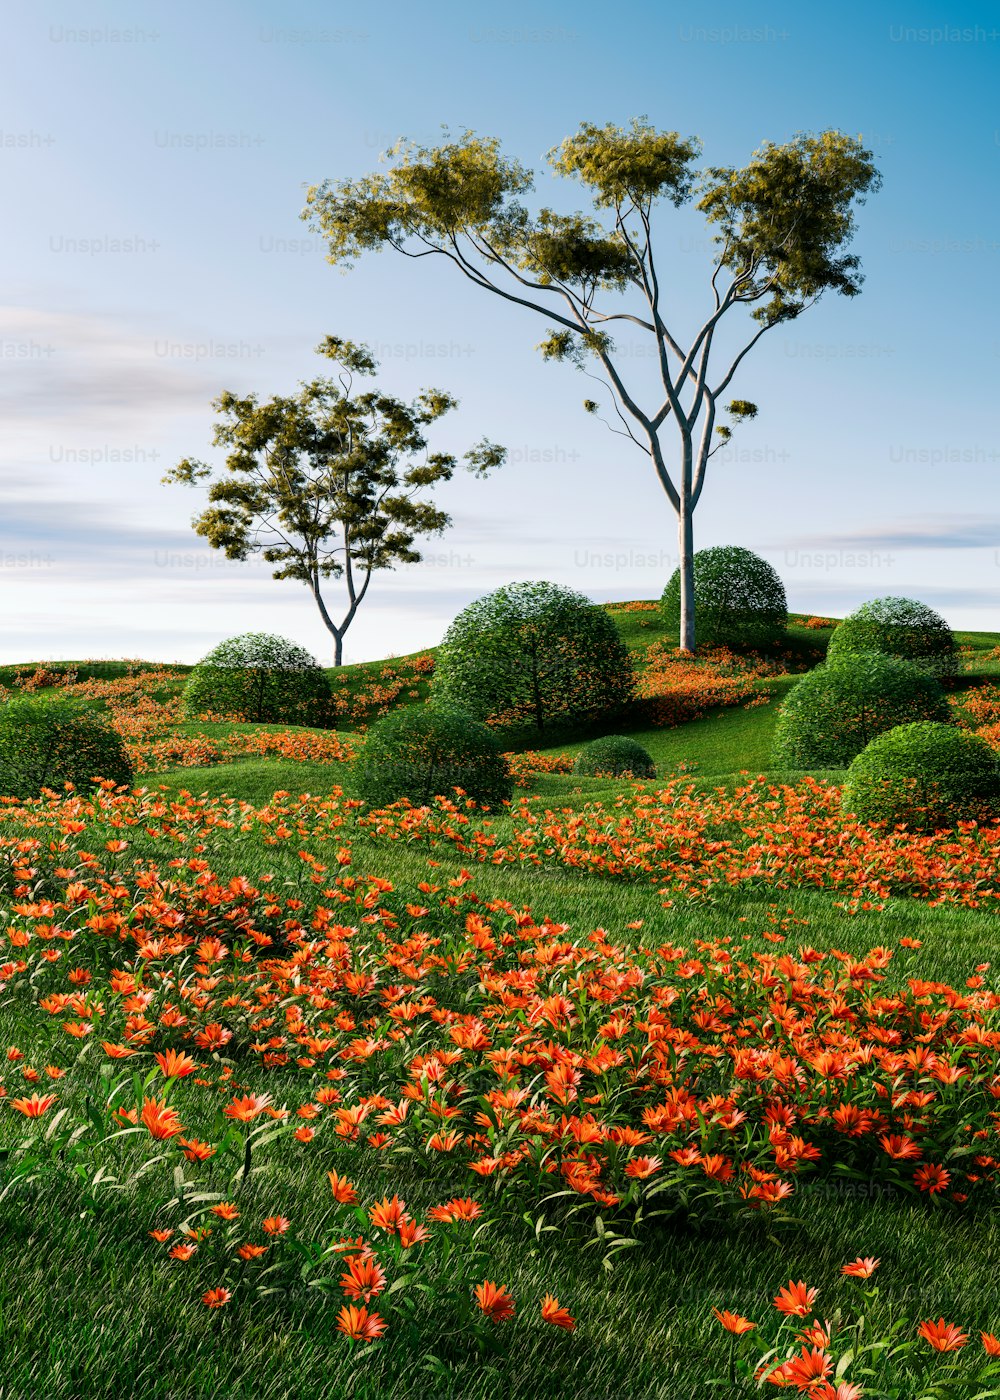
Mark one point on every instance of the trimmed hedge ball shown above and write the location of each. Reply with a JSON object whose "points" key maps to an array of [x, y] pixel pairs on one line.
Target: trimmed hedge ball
{"points": [[49, 741], [614, 757], [900, 627], [929, 776], [530, 657], [426, 751], [836, 709], [739, 600], [261, 679]]}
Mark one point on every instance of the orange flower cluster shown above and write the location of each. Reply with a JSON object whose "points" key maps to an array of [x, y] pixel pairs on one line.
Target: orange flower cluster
{"points": [[199, 751], [693, 843], [818, 623], [394, 1243], [675, 686], [813, 1359], [722, 1076], [525, 766], [396, 681], [140, 704]]}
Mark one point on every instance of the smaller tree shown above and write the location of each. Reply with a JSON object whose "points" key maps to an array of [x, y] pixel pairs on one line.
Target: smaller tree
{"points": [[329, 483], [739, 598], [530, 656]]}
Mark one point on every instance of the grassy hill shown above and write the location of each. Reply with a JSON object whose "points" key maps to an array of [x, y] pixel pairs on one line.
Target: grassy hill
{"points": [[80, 1268]]}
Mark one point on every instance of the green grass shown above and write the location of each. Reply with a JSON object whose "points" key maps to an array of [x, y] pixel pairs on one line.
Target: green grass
{"points": [[87, 1315]]}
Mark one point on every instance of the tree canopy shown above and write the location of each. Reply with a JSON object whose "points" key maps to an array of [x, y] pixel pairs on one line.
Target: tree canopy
{"points": [[781, 227], [329, 482]]}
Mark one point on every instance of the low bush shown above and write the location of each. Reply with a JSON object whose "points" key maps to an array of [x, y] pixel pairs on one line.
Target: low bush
{"points": [[427, 751], [614, 756], [530, 658], [259, 678], [928, 776], [835, 710], [48, 741], [900, 627]]}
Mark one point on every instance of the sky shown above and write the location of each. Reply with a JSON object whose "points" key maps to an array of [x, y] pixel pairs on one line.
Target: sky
{"points": [[155, 161]]}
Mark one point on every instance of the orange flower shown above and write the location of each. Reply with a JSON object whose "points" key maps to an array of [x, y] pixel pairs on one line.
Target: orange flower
{"points": [[247, 1108], [554, 1313], [275, 1225], [796, 1299], [305, 1134], [216, 1297], [161, 1236], [823, 1390], [359, 1324], [343, 1190], [932, 1178], [252, 1251], [732, 1322], [991, 1344], [943, 1336], [817, 1334], [900, 1147], [644, 1166], [364, 1278], [461, 1208], [861, 1268], [225, 1210], [182, 1252], [118, 1052], [388, 1215], [35, 1106], [410, 1234], [808, 1368], [175, 1064], [495, 1302], [196, 1151], [161, 1121], [444, 1142]]}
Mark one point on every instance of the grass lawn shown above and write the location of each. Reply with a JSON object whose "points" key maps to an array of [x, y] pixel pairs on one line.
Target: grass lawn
{"points": [[93, 1309]]}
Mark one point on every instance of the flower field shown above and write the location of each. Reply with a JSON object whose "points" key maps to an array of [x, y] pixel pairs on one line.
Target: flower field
{"points": [[554, 1100]]}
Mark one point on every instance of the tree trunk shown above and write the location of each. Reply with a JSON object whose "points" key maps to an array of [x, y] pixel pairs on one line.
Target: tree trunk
{"points": [[685, 549], [338, 650]]}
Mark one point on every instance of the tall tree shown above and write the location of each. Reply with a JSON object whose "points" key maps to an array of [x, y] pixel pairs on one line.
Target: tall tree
{"points": [[780, 226], [330, 482]]}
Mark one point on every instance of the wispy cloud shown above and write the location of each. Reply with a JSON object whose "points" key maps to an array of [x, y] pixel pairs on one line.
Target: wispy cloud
{"points": [[918, 532], [72, 373]]}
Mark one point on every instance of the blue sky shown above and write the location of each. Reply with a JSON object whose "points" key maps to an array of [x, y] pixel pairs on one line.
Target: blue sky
{"points": [[155, 160]]}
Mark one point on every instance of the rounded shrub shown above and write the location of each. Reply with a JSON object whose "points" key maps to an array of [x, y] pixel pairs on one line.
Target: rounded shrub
{"points": [[259, 678], [426, 751], [925, 775], [614, 757], [739, 600], [899, 627], [49, 741], [532, 657], [835, 710]]}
